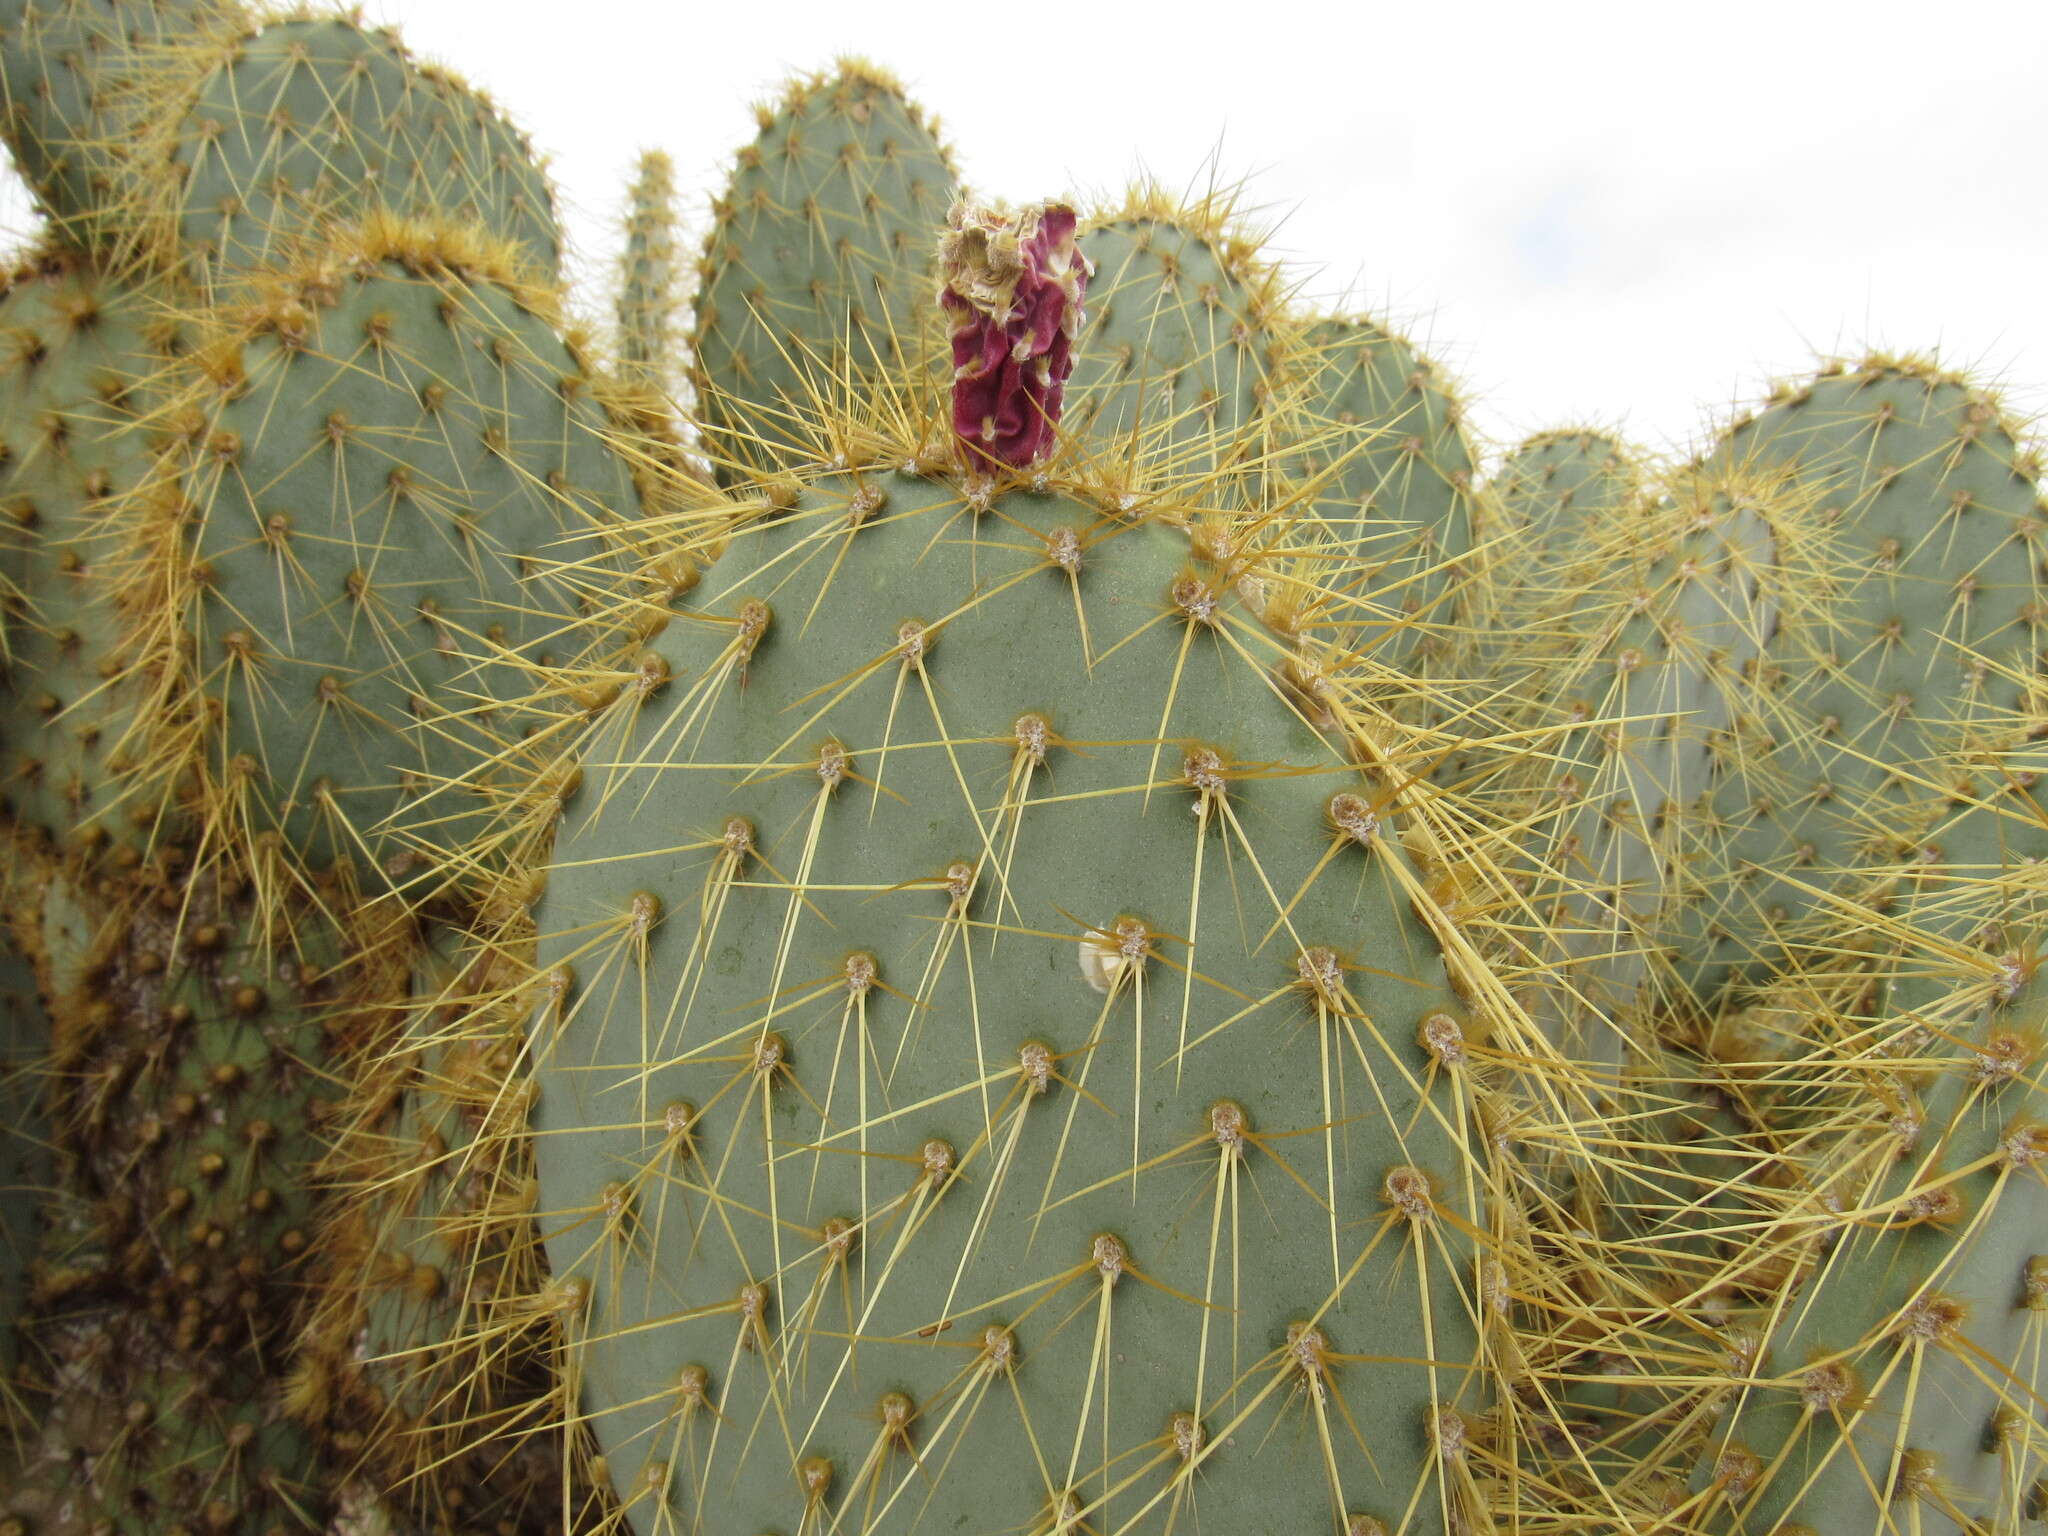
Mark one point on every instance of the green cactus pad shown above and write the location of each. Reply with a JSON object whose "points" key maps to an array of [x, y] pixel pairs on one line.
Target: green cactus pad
{"points": [[816, 272], [74, 85], [1386, 471], [1886, 746], [382, 500], [1558, 482], [75, 345], [1554, 494], [260, 141], [934, 969], [1175, 360]]}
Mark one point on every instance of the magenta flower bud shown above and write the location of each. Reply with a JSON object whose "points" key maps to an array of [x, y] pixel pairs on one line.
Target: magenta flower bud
{"points": [[1013, 284]]}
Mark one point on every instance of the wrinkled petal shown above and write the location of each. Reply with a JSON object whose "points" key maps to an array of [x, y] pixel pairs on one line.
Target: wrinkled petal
{"points": [[1013, 283]]}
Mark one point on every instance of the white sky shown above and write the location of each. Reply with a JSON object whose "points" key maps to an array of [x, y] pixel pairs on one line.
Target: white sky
{"points": [[1629, 214]]}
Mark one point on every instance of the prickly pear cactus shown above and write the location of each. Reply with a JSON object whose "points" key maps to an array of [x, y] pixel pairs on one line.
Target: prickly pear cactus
{"points": [[191, 530], [648, 299], [1384, 472], [189, 1043], [1026, 1034], [1886, 746], [816, 272], [1175, 361], [74, 86], [256, 143], [964, 923], [1023, 927], [75, 344], [392, 455]]}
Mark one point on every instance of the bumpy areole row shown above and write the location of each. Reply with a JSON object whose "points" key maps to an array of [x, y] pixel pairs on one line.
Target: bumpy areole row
{"points": [[75, 432]]}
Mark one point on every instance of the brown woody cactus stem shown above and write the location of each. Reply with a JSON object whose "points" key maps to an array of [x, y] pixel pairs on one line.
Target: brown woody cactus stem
{"points": [[1012, 285]]}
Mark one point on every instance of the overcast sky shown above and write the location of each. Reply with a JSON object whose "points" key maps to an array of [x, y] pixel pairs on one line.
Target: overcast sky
{"points": [[1585, 212]]}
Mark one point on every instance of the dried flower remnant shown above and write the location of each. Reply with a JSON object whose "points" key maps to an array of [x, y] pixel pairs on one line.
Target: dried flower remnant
{"points": [[1013, 282]]}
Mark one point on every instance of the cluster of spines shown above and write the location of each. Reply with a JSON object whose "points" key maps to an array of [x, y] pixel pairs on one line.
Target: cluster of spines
{"points": [[1639, 677], [423, 1359]]}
